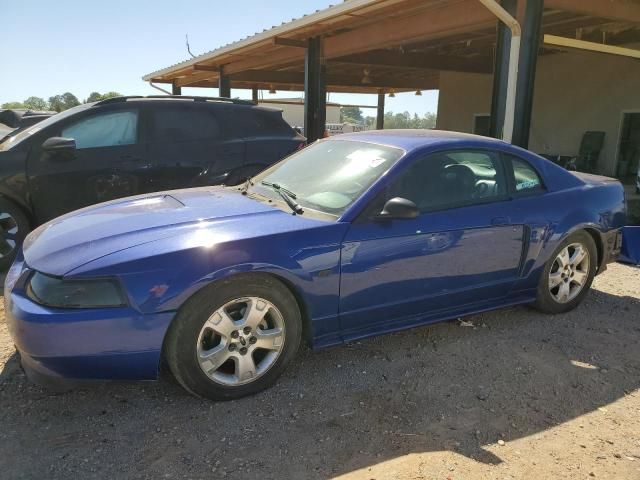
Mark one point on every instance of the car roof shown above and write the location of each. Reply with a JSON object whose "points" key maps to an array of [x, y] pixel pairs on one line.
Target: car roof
{"points": [[415, 138], [166, 99]]}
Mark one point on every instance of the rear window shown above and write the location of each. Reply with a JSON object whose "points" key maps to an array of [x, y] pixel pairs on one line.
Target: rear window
{"points": [[248, 121], [179, 124]]}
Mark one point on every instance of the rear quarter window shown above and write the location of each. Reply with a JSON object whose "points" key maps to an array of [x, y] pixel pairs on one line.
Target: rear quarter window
{"points": [[253, 121], [526, 178]]}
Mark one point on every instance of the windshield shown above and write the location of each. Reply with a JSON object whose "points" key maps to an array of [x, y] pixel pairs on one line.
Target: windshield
{"points": [[17, 138], [330, 175]]}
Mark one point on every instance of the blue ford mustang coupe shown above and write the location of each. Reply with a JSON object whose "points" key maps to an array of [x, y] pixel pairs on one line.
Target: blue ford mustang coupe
{"points": [[354, 236]]}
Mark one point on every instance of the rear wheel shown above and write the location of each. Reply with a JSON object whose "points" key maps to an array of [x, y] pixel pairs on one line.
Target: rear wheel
{"points": [[14, 226], [568, 274], [234, 338]]}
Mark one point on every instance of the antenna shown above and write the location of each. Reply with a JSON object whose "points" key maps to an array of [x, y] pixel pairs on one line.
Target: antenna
{"points": [[186, 36]]}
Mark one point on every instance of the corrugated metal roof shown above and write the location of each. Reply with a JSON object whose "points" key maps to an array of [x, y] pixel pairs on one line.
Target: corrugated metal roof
{"points": [[282, 29]]}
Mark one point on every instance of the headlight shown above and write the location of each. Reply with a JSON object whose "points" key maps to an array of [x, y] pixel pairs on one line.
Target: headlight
{"points": [[75, 293]]}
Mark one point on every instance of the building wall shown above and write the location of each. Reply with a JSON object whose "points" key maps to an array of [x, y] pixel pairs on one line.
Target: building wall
{"points": [[574, 92], [294, 114]]}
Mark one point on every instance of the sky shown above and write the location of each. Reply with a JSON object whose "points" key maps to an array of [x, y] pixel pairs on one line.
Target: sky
{"points": [[51, 47]]}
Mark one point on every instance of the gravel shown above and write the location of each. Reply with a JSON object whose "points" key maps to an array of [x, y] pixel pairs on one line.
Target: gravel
{"points": [[517, 394]]}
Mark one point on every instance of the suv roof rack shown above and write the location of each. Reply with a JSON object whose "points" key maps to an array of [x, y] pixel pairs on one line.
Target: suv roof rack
{"points": [[194, 98]]}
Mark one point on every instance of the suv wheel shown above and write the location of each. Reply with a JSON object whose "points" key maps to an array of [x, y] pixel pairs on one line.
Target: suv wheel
{"points": [[14, 226]]}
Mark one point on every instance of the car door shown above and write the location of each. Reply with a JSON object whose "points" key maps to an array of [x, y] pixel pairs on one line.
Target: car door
{"points": [[109, 161], [462, 249], [190, 145]]}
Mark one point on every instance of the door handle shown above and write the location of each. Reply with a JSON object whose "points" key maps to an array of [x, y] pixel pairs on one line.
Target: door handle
{"points": [[497, 221]]}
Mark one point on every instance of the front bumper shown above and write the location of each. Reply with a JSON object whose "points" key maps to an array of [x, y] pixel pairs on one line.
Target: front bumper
{"points": [[82, 344]]}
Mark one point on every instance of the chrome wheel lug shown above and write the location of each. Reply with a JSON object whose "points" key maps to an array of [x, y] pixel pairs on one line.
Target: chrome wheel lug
{"points": [[234, 334], [243, 351], [232, 347], [253, 340], [246, 330]]}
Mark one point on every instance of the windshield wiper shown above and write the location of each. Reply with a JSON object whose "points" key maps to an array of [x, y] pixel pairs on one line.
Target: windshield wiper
{"points": [[287, 195]]}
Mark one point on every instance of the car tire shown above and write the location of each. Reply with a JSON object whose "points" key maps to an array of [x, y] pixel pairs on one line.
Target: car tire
{"points": [[14, 226], [235, 337], [566, 279]]}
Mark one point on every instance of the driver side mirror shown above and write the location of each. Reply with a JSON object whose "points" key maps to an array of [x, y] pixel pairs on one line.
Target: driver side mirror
{"points": [[399, 208], [59, 145]]}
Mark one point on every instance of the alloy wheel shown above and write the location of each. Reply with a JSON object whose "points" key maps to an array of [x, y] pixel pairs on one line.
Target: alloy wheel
{"points": [[240, 341], [569, 273]]}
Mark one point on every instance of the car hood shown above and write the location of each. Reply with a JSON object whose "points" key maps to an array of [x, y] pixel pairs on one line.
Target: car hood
{"points": [[75, 239]]}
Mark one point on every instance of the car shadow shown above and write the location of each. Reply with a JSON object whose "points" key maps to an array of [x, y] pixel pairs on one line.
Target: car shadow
{"points": [[506, 375]]}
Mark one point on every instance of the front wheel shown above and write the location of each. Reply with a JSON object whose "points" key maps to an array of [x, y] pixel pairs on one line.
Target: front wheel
{"points": [[234, 338], [568, 274]]}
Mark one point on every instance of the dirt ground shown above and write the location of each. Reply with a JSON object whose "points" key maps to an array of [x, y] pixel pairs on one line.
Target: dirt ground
{"points": [[517, 395]]}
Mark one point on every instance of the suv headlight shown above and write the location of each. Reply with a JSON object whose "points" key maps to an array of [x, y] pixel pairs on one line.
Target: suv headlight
{"points": [[75, 293]]}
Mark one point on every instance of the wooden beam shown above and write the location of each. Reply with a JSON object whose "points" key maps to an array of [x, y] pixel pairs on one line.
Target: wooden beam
{"points": [[297, 78], [195, 78], [289, 42], [386, 58], [591, 46], [619, 10], [206, 68]]}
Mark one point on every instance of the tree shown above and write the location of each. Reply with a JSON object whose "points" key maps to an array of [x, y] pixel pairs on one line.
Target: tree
{"points": [[111, 95], [351, 115], [36, 103], [93, 97], [13, 105], [405, 120], [96, 96], [63, 102], [70, 100]]}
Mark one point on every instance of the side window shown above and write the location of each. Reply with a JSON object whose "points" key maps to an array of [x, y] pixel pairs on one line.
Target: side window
{"points": [[253, 121], [451, 179], [526, 179], [181, 124], [104, 130]]}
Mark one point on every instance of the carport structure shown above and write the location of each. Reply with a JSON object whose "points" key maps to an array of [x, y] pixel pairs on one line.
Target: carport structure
{"points": [[385, 46]]}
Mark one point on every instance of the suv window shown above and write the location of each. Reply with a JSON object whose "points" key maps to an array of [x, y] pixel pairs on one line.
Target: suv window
{"points": [[104, 130], [180, 124], [253, 121], [449, 179], [526, 178]]}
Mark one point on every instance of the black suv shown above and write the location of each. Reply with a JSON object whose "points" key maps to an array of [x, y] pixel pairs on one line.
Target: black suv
{"points": [[129, 145]]}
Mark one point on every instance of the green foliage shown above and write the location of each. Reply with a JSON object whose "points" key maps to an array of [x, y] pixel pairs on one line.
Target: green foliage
{"points": [[13, 105], [404, 120], [93, 97], [351, 115], [58, 103], [96, 96], [36, 103]]}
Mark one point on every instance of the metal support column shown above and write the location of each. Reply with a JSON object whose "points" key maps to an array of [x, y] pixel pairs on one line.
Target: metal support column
{"points": [[224, 84], [254, 95], [175, 89], [531, 26], [380, 114], [315, 101], [501, 72]]}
